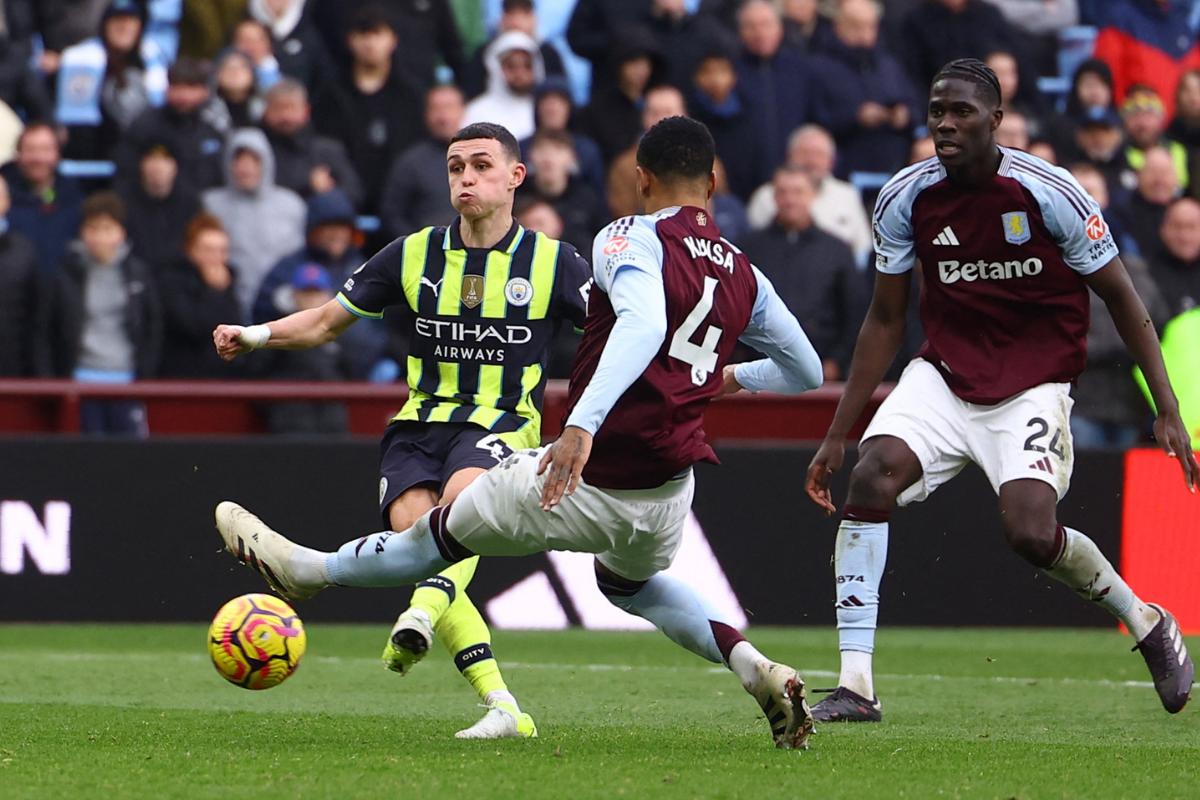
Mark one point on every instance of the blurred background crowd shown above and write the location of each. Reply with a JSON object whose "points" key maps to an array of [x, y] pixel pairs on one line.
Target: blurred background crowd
{"points": [[173, 164]]}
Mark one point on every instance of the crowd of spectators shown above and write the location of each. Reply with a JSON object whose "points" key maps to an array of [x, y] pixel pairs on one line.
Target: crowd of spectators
{"points": [[250, 140]]}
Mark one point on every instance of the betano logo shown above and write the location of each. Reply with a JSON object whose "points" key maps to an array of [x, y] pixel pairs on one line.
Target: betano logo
{"points": [[954, 271], [47, 543]]}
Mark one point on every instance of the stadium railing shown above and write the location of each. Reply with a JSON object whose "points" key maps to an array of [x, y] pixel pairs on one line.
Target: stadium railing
{"points": [[235, 407]]}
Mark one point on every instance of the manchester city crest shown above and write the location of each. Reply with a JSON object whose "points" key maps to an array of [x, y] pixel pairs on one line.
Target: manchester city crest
{"points": [[472, 290], [1016, 227], [518, 292]]}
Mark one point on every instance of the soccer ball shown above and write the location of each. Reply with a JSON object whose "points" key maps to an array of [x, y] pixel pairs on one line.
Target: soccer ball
{"points": [[256, 641]]}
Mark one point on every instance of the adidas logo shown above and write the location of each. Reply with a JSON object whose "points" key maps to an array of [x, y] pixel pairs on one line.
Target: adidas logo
{"points": [[1044, 464], [851, 602], [946, 237], [1177, 642]]}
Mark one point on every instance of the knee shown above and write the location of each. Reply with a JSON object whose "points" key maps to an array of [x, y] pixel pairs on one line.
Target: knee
{"points": [[619, 591], [877, 480], [1032, 538]]}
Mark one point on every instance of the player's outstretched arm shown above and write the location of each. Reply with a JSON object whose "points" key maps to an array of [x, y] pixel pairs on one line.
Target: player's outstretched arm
{"points": [[311, 327], [1111, 282], [878, 342], [792, 365]]}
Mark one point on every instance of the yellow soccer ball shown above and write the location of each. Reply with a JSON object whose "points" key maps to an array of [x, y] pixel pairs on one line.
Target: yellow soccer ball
{"points": [[256, 641]]}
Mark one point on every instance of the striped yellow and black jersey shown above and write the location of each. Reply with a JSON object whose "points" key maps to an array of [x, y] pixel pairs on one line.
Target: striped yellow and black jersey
{"points": [[482, 320]]}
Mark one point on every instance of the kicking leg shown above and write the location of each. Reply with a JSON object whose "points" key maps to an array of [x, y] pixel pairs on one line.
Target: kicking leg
{"points": [[1027, 509], [886, 466], [682, 614]]}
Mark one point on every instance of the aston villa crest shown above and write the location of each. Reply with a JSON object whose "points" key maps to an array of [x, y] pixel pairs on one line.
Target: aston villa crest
{"points": [[472, 290], [701, 218], [1016, 227]]}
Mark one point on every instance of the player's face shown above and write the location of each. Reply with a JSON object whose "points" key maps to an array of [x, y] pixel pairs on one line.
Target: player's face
{"points": [[962, 126], [482, 177]]}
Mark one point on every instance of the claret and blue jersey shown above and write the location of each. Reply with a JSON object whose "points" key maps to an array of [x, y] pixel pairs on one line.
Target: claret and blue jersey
{"points": [[1003, 300], [482, 320]]}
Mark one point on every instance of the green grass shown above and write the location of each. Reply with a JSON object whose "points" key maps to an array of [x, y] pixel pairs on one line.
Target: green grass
{"points": [[137, 711]]}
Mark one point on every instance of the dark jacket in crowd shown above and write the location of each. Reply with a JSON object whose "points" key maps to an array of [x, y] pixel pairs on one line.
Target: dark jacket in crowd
{"points": [[62, 311], [864, 75], [297, 155], [21, 87], [933, 35], [50, 222], [1178, 282], [191, 309], [426, 29], [732, 129], [302, 55], [780, 96], [1144, 219], [18, 300], [196, 143], [579, 207], [372, 127], [416, 193], [814, 274], [587, 152], [155, 227]]}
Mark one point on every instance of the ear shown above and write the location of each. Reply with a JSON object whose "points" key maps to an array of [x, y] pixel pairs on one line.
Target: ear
{"points": [[997, 115], [712, 186], [644, 180], [517, 177]]}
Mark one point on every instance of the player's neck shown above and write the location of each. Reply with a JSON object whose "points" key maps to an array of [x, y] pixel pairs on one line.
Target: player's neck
{"points": [[668, 199], [977, 174], [485, 231]]}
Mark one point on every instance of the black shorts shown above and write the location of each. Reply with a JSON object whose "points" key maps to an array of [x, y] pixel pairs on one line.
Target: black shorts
{"points": [[428, 453]]}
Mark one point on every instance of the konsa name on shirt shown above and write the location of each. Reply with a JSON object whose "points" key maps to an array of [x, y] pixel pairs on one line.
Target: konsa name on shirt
{"points": [[954, 271]]}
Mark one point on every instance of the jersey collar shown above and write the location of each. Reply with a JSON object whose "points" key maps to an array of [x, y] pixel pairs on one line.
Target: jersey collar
{"points": [[508, 243]]}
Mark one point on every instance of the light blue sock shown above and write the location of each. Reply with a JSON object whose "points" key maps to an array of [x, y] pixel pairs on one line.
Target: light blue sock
{"points": [[678, 611], [387, 559], [859, 557]]}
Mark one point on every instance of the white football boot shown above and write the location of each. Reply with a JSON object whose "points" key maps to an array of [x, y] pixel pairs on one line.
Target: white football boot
{"points": [[503, 720], [250, 541], [780, 693]]}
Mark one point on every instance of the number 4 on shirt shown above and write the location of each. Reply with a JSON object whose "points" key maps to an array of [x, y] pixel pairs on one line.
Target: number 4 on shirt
{"points": [[701, 357]]}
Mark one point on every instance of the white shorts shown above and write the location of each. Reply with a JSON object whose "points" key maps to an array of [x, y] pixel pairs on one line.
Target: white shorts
{"points": [[1026, 436], [635, 533]]}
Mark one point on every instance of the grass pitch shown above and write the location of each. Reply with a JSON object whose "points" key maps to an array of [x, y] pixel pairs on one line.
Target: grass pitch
{"points": [[124, 711]]}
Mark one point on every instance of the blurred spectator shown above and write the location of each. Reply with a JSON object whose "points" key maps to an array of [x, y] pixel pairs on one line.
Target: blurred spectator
{"points": [[838, 207], [18, 295], [614, 115], [514, 67], [1147, 42], [1157, 186], [206, 26], [45, 205], [515, 15], [937, 31], [1015, 94], [1185, 128], [1013, 131], [99, 318], [804, 28], [264, 221], [684, 36], [1039, 22], [253, 39], [427, 29], [371, 110], [537, 215], [1091, 87], [872, 85], [1145, 127], [417, 194], [727, 210], [159, 207], [553, 177], [776, 83], [106, 81], [921, 149], [554, 110], [1043, 150], [197, 290], [716, 101], [237, 88], [21, 87], [297, 46], [661, 102], [309, 286], [63, 23], [1098, 140], [813, 271], [305, 162], [184, 122], [1175, 264]]}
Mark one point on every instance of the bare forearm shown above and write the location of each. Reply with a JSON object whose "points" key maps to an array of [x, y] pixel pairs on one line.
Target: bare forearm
{"points": [[301, 331], [1137, 331], [878, 343]]}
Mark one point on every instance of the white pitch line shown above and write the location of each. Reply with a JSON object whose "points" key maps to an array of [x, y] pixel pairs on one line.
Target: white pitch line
{"points": [[66, 656]]}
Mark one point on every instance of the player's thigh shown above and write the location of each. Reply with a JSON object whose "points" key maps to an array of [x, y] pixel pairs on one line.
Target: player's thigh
{"points": [[458, 481], [409, 468], [923, 414], [1026, 436], [410, 506], [653, 531]]}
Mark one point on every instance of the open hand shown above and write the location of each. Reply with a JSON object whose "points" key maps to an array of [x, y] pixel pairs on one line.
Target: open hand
{"points": [[1173, 437], [827, 461]]}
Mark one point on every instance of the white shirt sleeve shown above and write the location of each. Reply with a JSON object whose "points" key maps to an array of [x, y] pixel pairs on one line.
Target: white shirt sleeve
{"points": [[891, 224], [792, 365]]}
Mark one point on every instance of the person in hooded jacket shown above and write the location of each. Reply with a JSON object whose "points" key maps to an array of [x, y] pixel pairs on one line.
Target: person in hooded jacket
{"points": [[159, 205], [264, 221], [515, 15], [514, 67]]}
